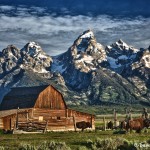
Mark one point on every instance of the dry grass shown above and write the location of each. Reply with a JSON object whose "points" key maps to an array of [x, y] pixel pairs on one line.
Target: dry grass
{"points": [[72, 139]]}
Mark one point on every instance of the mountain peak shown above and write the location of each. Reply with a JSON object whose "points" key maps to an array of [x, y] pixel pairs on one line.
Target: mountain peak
{"points": [[35, 58], [32, 48], [10, 48], [120, 45], [120, 55], [121, 41], [85, 42], [33, 44], [11, 52], [87, 34], [84, 55], [86, 52]]}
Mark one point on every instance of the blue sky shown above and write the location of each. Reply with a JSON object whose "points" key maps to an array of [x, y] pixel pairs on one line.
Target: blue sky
{"points": [[56, 24]]}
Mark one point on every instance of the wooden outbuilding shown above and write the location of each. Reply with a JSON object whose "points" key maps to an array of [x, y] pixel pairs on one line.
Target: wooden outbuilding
{"points": [[39, 108]]}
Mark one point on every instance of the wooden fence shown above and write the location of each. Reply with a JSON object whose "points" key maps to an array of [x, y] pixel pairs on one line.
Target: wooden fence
{"points": [[31, 126]]}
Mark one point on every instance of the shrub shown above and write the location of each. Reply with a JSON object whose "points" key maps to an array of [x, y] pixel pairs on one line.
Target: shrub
{"points": [[24, 146], [105, 143], [148, 141], [141, 145], [110, 144], [82, 148], [126, 145], [51, 145], [46, 145], [2, 148]]}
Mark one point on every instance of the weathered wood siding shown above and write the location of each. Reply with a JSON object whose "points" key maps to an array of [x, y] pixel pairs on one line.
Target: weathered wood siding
{"points": [[1, 124], [48, 113], [50, 98], [9, 122], [59, 120]]}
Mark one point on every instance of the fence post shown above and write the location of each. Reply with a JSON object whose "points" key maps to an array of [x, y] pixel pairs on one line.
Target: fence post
{"points": [[27, 115], [115, 118], [91, 121], [46, 126], [130, 114], [104, 123], [74, 122], [17, 118]]}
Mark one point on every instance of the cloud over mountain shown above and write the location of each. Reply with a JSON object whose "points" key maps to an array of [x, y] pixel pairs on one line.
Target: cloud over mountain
{"points": [[55, 33]]}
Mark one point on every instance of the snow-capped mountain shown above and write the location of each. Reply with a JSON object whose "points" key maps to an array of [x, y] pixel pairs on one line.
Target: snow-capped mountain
{"points": [[133, 64], [120, 55], [143, 59], [29, 66], [82, 58], [81, 64], [34, 57], [31, 56], [140, 71], [87, 73], [85, 54]]}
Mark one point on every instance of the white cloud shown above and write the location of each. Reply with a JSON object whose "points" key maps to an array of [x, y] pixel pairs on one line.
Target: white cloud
{"points": [[6, 8], [38, 9], [57, 33]]}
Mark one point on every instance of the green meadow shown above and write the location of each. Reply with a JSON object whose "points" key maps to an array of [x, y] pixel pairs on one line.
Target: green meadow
{"points": [[74, 140]]}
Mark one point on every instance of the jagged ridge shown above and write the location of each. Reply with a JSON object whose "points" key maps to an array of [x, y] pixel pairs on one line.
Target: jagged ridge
{"points": [[87, 73]]}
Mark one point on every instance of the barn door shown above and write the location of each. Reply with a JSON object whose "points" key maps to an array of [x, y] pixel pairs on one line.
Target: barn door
{"points": [[7, 123]]}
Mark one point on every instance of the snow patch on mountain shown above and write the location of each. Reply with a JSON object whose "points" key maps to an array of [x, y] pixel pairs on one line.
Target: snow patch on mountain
{"points": [[113, 62], [42, 70], [32, 49], [35, 58], [120, 54], [87, 53], [41, 56], [87, 35], [87, 59], [31, 56], [57, 66], [146, 59]]}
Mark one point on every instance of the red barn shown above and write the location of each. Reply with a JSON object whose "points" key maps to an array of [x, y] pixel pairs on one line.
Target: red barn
{"points": [[39, 108]]}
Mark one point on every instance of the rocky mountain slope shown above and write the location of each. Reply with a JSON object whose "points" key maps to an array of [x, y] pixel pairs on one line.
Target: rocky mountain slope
{"points": [[87, 73], [82, 58], [120, 55]]}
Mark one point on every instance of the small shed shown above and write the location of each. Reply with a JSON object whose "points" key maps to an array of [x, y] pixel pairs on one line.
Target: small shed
{"points": [[39, 108]]}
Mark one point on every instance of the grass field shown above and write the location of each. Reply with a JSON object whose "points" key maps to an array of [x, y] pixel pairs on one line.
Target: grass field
{"points": [[75, 140]]}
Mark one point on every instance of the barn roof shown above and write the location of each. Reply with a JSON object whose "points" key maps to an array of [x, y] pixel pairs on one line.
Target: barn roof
{"points": [[22, 97], [5, 113]]}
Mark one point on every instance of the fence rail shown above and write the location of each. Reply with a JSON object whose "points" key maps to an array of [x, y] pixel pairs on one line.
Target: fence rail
{"points": [[32, 126]]}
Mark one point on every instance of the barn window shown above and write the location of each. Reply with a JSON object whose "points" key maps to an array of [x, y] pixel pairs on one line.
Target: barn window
{"points": [[40, 118], [58, 118]]}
